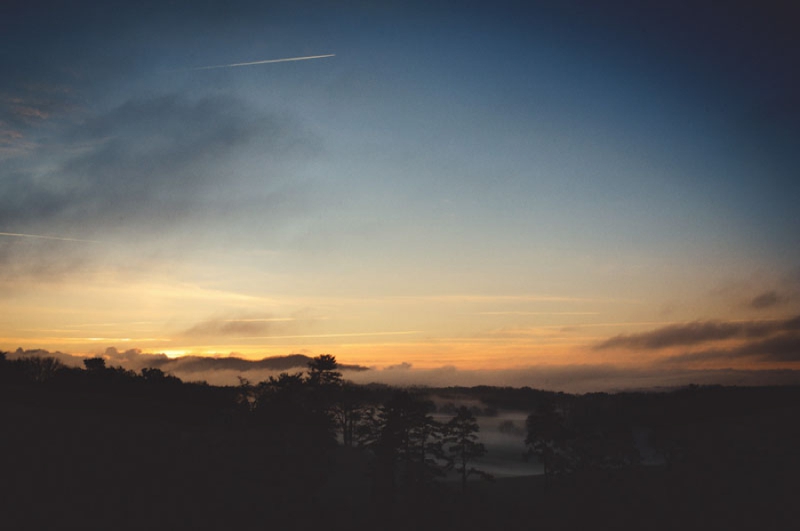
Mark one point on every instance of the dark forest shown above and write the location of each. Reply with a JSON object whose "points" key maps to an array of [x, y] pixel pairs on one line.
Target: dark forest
{"points": [[107, 448]]}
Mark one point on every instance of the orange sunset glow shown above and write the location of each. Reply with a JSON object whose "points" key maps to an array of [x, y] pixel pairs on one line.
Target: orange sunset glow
{"points": [[511, 203], [399, 265]]}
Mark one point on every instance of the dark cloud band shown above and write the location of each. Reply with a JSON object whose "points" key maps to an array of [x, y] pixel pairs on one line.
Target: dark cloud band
{"points": [[700, 332]]}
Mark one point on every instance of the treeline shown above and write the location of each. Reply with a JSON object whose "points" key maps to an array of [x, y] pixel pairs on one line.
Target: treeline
{"points": [[408, 446], [273, 441], [112, 448]]}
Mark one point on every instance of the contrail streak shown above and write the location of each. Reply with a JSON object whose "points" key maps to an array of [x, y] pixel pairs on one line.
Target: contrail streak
{"points": [[268, 61], [39, 236]]}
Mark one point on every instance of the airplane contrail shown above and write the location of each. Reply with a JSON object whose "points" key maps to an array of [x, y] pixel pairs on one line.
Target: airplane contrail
{"points": [[267, 61], [39, 236]]}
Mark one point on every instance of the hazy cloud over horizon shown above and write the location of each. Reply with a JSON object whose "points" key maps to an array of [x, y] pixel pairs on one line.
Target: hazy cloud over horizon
{"points": [[188, 367], [568, 378]]}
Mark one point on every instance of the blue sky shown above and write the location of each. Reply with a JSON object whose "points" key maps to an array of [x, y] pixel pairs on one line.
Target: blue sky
{"points": [[456, 171]]}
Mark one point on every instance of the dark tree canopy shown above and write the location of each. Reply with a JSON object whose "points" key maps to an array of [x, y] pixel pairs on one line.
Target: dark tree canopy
{"points": [[407, 442], [547, 440], [94, 364], [322, 371], [461, 442]]}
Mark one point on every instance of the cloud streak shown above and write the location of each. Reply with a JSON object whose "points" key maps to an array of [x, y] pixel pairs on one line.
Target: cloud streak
{"points": [[699, 332], [783, 348], [264, 62], [152, 162], [766, 300], [147, 170], [715, 342], [348, 334], [249, 326], [41, 237], [229, 328], [536, 313]]}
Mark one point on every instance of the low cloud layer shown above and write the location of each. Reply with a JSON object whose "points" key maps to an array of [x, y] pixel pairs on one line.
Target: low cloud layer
{"points": [[568, 378], [222, 370], [579, 378]]}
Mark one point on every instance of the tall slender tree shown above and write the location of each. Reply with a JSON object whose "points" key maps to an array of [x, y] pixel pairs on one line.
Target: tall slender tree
{"points": [[407, 445], [547, 439], [461, 442]]}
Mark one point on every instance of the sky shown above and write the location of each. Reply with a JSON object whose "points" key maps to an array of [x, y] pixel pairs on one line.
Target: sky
{"points": [[570, 194]]}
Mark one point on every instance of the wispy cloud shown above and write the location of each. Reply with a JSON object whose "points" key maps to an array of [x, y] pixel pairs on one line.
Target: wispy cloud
{"points": [[41, 237], [249, 326], [466, 297], [228, 327], [150, 163], [699, 332], [766, 300], [24, 106], [119, 324], [264, 62], [782, 348], [143, 172], [351, 334], [537, 313]]}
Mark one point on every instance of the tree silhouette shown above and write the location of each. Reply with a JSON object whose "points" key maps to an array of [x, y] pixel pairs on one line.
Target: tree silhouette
{"points": [[547, 440], [461, 442], [282, 400], [407, 444], [246, 395], [40, 369], [353, 411], [157, 376], [322, 371], [600, 434], [296, 429], [5, 366], [94, 364]]}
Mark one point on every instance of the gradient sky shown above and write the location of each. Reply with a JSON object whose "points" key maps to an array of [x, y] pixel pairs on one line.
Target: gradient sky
{"points": [[478, 186]]}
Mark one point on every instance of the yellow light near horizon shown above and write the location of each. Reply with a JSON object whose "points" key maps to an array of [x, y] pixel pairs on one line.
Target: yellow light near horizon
{"points": [[171, 353]]}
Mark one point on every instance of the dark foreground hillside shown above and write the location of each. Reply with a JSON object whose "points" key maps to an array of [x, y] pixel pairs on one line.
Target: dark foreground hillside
{"points": [[133, 454]]}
